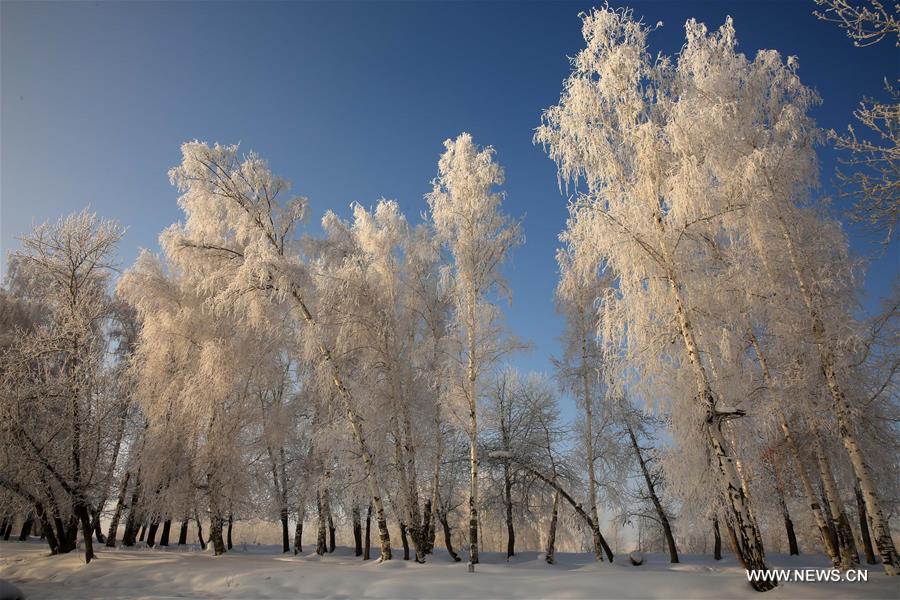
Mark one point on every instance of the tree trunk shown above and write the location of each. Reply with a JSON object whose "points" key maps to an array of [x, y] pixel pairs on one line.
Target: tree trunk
{"points": [[27, 524], [298, 530], [436, 477], [151, 533], [846, 426], [72, 531], [217, 515], [448, 542], [86, 530], [811, 497], [864, 527], [285, 528], [43, 518], [356, 427], [357, 531], [473, 481], [200, 532], [651, 490], [8, 530], [131, 522], [550, 557], [408, 477], [749, 545], [117, 514], [298, 536], [717, 540], [120, 432], [788, 522], [47, 528], [472, 394], [230, 545], [404, 540], [280, 484], [215, 533], [507, 497], [428, 523], [98, 532], [791, 536], [66, 543], [285, 531], [69, 533], [182, 534], [321, 540], [167, 528], [143, 533], [368, 546], [589, 433], [840, 524], [79, 509], [331, 528]]}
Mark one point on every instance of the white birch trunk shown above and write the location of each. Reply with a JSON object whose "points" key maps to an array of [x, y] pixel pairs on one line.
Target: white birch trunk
{"points": [[881, 529], [589, 435], [414, 516], [436, 477], [747, 537], [356, 428], [550, 556], [808, 490], [839, 521], [471, 391]]}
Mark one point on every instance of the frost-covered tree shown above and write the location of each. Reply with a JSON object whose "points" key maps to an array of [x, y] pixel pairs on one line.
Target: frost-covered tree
{"points": [[281, 425], [238, 243], [633, 130], [811, 254], [58, 408], [580, 370], [515, 415], [467, 218], [378, 277], [638, 429], [195, 368]]}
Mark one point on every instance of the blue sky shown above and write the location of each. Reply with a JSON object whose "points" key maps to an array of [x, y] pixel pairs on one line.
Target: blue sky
{"points": [[351, 102]]}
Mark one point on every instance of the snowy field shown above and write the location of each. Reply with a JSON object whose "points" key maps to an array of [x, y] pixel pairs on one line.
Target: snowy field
{"points": [[262, 572]]}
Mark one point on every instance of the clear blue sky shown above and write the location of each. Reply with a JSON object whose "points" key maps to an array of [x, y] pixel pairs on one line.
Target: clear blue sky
{"points": [[349, 101]]}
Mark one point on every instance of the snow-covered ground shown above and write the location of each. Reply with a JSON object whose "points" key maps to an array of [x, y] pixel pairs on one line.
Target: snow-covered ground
{"points": [[262, 572]]}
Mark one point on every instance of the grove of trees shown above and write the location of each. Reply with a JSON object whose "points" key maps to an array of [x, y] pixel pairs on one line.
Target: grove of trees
{"points": [[359, 379]]}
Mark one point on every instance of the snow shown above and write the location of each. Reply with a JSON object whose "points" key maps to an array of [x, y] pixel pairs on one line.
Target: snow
{"points": [[263, 572]]}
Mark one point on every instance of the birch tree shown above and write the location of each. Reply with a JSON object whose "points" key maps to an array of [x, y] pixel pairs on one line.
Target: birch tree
{"points": [[379, 282], [239, 239], [195, 368], [624, 127], [467, 218], [55, 408], [580, 369], [639, 427]]}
